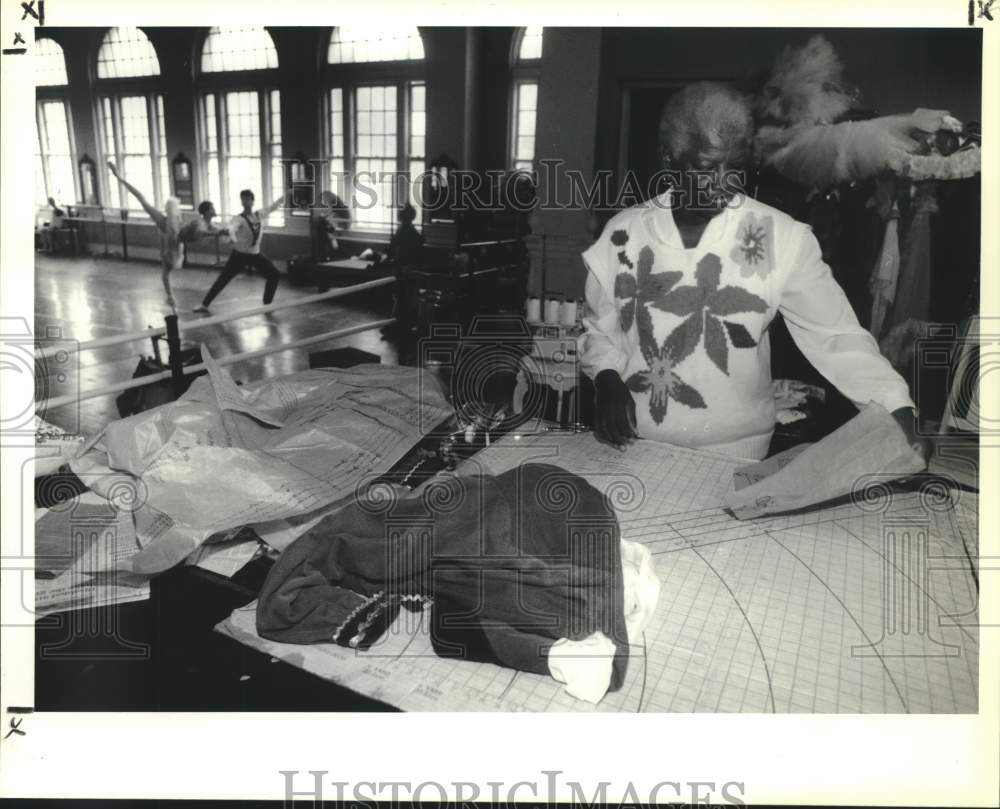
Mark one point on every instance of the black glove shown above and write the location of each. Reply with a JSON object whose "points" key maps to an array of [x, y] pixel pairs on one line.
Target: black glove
{"points": [[614, 410]]}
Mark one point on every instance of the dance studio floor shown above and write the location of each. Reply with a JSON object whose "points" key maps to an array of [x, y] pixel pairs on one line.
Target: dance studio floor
{"points": [[86, 298]]}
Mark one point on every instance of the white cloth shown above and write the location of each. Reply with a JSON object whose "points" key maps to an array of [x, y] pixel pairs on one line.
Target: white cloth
{"points": [[584, 666], [642, 588], [705, 311]]}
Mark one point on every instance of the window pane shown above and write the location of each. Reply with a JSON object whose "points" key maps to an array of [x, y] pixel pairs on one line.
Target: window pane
{"points": [[243, 172], [375, 203], [243, 47], [126, 52], [531, 43], [416, 170], [352, 43], [243, 146], [54, 153], [338, 181], [164, 177], [135, 125], [49, 63], [528, 96], [214, 183], [139, 171], [41, 193], [277, 218], [56, 128], [376, 156], [135, 156], [161, 126], [523, 129], [336, 123], [211, 142]]}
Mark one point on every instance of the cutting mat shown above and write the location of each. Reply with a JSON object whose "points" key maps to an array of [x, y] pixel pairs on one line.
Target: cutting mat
{"points": [[869, 605]]}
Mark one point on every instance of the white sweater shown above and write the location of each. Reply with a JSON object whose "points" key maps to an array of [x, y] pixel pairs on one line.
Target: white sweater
{"points": [[687, 328]]}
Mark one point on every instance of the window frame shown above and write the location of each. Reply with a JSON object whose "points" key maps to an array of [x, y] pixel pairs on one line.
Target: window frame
{"points": [[57, 92], [56, 87], [263, 82], [47, 98], [522, 71], [267, 154], [117, 88], [403, 74], [100, 80], [149, 97]]}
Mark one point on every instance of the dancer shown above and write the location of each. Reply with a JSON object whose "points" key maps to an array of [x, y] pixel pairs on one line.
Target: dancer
{"points": [[47, 231], [173, 234], [247, 230]]}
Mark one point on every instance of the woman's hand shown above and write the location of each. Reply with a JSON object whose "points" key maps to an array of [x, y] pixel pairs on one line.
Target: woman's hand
{"points": [[614, 410]]}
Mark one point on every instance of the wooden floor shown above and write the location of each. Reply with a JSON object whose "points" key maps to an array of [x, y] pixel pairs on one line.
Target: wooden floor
{"points": [[85, 298]]}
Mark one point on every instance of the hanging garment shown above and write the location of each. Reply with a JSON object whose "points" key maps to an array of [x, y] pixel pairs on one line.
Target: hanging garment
{"points": [[885, 275], [510, 564], [913, 290]]}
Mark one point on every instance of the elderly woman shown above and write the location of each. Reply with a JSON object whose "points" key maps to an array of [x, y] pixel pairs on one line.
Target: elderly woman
{"points": [[681, 289]]}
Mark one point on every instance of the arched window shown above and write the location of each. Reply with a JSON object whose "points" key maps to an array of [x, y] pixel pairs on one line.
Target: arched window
{"points": [[238, 48], [530, 46], [131, 119], [126, 52], [54, 159], [351, 44], [240, 119], [50, 63], [524, 96], [375, 119]]}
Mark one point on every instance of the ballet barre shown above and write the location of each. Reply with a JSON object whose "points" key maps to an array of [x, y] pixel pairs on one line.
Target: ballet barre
{"points": [[172, 328], [199, 323]]}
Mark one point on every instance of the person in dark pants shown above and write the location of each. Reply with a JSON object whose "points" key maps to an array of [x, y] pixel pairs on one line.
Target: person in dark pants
{"points": [[246, 231]]}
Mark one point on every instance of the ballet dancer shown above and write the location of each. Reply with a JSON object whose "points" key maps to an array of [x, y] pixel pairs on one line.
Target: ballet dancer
{"points": [[246, 231], [173, 234]]}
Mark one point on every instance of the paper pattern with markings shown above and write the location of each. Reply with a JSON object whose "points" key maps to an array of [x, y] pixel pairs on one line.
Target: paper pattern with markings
{"points": [[222, 457], [81, 542], [779, 614]]}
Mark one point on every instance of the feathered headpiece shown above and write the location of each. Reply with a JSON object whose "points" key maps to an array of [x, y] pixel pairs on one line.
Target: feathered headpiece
{"points": [[806, 87], [799, 134]]}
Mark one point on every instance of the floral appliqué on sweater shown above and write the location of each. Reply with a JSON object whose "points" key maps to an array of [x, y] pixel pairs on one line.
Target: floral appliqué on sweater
{"points": [[704, 307], [754, 250]]}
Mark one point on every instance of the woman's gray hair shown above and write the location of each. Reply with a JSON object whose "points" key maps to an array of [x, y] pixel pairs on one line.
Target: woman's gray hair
{"points": [[706, 116]]}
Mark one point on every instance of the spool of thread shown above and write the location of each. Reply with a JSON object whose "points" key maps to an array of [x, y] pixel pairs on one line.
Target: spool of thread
{"points": [[552, 306], [533, 310], [568, 313]]}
